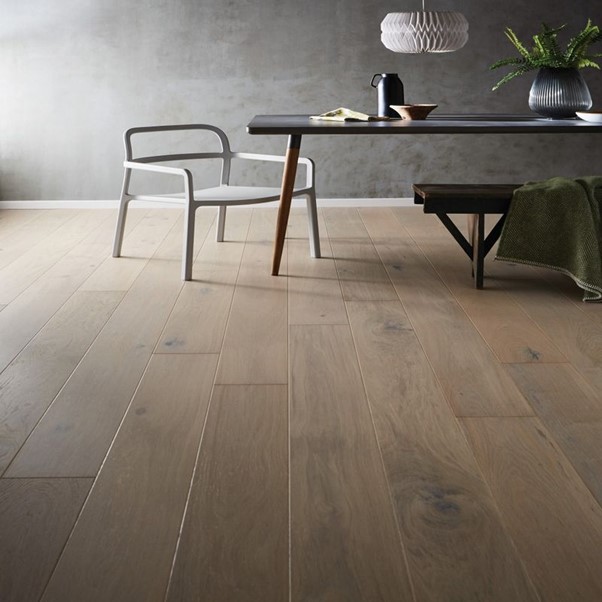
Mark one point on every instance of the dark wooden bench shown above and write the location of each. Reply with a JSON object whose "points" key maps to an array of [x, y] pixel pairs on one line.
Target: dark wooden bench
{"points": [[475, 200]]}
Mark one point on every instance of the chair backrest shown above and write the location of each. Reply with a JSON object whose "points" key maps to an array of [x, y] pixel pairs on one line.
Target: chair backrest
{"points": [[224, 154]]}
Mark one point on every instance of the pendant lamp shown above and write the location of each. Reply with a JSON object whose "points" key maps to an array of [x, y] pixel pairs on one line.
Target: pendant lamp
{"points": [[424, 31]]}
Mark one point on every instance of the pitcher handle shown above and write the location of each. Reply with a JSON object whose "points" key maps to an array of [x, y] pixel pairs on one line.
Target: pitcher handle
{"points": [[374, 76]]}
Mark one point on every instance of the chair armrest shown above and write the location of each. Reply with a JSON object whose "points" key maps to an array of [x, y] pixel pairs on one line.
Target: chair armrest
{"points": [[260, 157], [174, 171], [309, 164]]}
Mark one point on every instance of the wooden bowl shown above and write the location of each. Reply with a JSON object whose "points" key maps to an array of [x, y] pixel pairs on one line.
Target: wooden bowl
{"points": [[413, 111]]}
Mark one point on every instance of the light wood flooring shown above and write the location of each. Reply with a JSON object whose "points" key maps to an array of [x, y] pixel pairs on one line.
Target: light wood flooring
{"points": [[366, 427]]}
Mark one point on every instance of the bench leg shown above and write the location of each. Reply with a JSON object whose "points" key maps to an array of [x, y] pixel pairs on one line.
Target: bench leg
{"points": [[476, 246], [471, 220], [477, 233], [455, 232]]}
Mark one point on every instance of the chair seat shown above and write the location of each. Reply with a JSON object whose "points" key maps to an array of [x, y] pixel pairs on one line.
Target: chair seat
{"points": [[233, 195]]}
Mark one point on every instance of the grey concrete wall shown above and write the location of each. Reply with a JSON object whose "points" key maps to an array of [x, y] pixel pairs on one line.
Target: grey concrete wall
{"points": [[75, 73]]}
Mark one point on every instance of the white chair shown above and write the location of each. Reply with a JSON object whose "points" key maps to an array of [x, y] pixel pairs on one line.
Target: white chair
{"points": [[220, 196]]}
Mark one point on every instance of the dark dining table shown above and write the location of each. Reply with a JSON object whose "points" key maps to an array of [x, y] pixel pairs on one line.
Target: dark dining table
{"points": [[297, 126]]}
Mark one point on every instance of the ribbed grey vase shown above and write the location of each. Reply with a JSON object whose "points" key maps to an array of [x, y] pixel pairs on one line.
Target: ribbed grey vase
{"points": [[559, 93]]}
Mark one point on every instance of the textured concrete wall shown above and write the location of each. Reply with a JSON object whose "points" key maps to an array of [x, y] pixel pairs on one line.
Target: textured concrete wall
{"points": [[75, 73]]}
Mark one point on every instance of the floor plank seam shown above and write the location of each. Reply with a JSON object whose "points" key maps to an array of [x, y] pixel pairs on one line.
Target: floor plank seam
{"points": [[159, 243], [500, 514], [79, 241], [81, 359], [412, 324], [73, 217], [375, 432], [383, 468], [234, 286], [196, 255], [190, 487], [457, 419], [60, 554], [288, 434]]}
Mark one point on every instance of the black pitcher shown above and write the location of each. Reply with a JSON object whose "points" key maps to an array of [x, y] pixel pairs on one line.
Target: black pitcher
{"points": [[390, 92]]}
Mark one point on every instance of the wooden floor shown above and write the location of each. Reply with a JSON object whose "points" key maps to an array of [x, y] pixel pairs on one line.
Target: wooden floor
{"points": [[365, 427]]}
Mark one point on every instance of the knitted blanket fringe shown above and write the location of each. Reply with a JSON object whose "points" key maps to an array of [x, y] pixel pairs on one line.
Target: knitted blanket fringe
{"points": [[556, 224]]}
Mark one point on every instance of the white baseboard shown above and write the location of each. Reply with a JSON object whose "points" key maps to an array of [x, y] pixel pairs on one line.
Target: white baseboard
{"points": [[108, 204]]}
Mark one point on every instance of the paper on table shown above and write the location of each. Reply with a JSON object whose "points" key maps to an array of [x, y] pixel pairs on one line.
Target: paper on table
{"points": [[343, 114]]}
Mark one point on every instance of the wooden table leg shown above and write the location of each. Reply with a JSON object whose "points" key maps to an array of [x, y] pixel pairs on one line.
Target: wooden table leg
{"points": [[286, 194]]}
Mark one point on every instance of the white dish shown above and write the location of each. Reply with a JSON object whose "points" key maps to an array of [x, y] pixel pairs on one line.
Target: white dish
{"points": [[593, 116]]}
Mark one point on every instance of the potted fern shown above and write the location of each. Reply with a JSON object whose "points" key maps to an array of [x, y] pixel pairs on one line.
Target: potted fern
{"points": [[558, 90]]}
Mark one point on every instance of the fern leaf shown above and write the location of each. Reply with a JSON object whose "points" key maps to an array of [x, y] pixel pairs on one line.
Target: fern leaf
{"points": [[509, 61], [546, 51], [577, 46], [512, 75], [539, 45], [587, 62], [549, 31], [548, 43], [517, 43]]}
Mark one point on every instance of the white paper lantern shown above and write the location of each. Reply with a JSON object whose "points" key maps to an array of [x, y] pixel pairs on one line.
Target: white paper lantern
{"points": [[424, 31]]}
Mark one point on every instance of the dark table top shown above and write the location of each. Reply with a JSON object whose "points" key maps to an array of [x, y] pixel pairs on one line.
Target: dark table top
{"points": [[439, 124]]}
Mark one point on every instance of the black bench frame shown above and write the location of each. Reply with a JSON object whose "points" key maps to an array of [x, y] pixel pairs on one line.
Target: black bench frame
{"points": [[476, 201]]}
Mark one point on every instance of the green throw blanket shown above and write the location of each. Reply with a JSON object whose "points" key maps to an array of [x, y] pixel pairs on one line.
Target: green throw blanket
{"points": [[556, 224]]}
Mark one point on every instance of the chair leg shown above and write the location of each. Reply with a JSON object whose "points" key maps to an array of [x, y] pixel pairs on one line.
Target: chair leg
{"points": [[123, 209], [188, 250], [221, 223], [314, 232]]}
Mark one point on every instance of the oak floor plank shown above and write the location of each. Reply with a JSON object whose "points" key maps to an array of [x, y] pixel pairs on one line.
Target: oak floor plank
{"points": [[12, 220], [506, 328], [36, 518], [571, 411], [566, 285], [344, 223], [314, 292], [30, 383], [472, 379], [360, 271], [92, 403], [554, 520], [140, 242], [234, 544], [21, 320], [24, 271], [577, 336], [226, 255], [135, 508], [20, 235], [455, 540], [379, 476], [255, 343], [344, 539], [198, 321]]}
